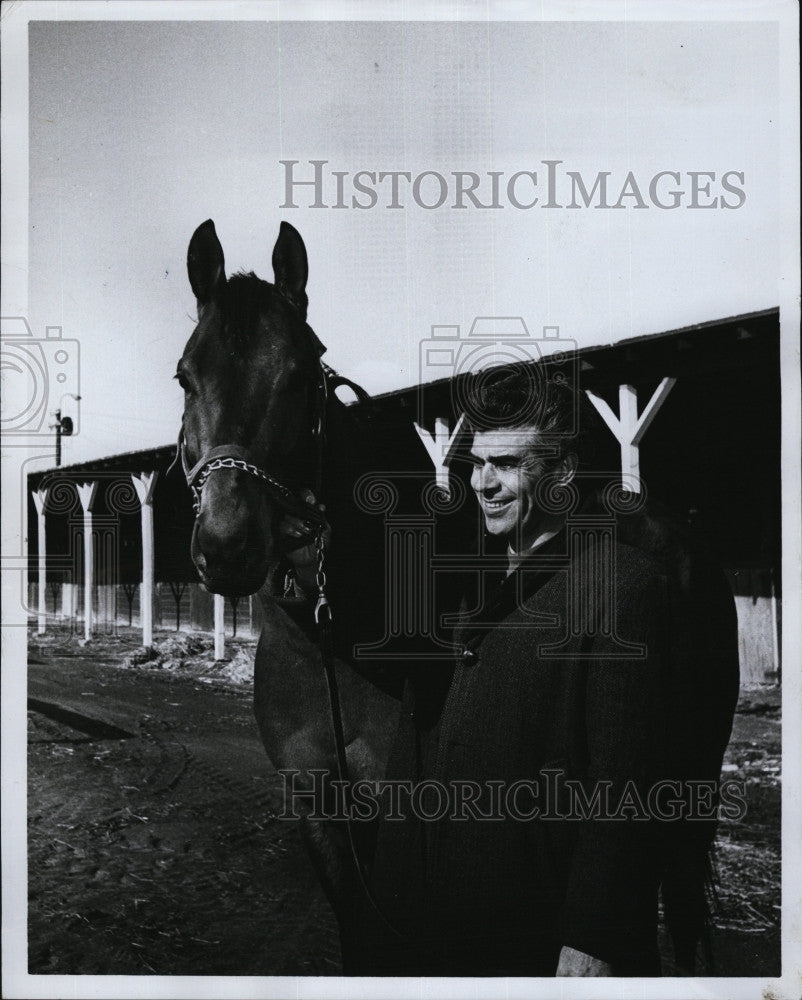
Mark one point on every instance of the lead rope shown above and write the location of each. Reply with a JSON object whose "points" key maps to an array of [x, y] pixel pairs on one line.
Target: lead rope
{"points": [[324, 621]]}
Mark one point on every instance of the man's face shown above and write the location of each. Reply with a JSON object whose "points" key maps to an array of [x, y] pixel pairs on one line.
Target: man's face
{"points": [[506, 471]]}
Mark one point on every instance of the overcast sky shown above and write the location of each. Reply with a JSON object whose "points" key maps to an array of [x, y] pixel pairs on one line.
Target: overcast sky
{"points": [[140, 131]]}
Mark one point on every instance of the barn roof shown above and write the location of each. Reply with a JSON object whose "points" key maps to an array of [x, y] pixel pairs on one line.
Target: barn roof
{"points": [[700, 348]]}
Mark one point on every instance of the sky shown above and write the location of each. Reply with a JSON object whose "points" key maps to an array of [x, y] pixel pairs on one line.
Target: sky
{"points": [[139, 131]]}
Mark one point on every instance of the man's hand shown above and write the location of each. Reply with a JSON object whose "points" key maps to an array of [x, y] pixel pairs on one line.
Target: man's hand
{"points": [[577, 963], [303, 558]]}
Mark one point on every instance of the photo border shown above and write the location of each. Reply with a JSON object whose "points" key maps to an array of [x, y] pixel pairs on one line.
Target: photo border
{"points": [[16, 981]]}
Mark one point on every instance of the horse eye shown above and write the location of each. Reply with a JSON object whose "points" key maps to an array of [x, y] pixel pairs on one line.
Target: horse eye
{"points": [[182, 381]]}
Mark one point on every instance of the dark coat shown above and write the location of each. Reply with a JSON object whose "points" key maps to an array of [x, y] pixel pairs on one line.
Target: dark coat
{"points": [[539, 695]]}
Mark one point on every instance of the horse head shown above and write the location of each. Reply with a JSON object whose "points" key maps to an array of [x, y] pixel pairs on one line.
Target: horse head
{"points": [[254, 403]]}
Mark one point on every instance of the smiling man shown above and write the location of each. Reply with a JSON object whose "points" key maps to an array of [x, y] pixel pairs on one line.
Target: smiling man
{"points": [[527, 441], [509, 466], [587, 667]]}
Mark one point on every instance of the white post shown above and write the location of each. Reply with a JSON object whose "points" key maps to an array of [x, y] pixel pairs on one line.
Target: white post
{"points": [[145, 484], [441, 447], [775, 634], [40, 500], [86, 494], [219, 627], [629, 428], [66, 600]]}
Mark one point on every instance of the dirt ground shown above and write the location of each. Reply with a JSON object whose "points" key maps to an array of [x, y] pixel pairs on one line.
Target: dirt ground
{"points": [[154, 842], [160, 851]]}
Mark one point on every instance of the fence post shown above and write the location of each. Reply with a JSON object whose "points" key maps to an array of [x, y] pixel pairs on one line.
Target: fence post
{"points": [[145, 484], [86, 494], [219, 627], [67, 601], [40, 501]]}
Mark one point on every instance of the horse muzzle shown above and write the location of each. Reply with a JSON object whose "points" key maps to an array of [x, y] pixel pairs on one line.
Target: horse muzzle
{"points": [[231, 543], [220, 575]]}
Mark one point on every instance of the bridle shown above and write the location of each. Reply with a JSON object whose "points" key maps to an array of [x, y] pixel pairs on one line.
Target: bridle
{"points": [[233, 456]]}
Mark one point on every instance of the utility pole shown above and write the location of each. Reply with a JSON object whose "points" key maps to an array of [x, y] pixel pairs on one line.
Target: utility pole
{"points": [[63, 425]]}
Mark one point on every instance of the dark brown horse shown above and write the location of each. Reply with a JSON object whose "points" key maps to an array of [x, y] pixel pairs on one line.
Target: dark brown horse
{"points": [[257, 398], [261, 425]]}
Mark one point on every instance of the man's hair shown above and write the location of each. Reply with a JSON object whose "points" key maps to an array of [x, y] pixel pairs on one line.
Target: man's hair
{"points": [[525, 395]]}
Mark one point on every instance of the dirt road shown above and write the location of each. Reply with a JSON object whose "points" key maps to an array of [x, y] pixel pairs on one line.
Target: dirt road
{"points": [[155, 844], [159, 851]]}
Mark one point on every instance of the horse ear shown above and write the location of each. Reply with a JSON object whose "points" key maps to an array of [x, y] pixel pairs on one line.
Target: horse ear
{"points": [[290, 266], [205, 263]]}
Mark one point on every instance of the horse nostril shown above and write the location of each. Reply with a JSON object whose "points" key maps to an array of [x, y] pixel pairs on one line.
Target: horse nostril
{"points": [[221, 550]]}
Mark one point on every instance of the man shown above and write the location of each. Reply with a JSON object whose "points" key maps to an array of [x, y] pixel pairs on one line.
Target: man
{"points": [[569, 692]]}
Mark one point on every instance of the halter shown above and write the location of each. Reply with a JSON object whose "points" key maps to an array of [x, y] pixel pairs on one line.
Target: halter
{"points": [[233, 456]]}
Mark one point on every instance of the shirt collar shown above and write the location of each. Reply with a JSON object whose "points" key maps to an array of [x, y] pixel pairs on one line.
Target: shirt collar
{"points": [[516, 559]]}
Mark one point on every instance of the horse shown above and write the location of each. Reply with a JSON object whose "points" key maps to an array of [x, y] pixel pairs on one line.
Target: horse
{"points": [[262, 426], [257, 397]]}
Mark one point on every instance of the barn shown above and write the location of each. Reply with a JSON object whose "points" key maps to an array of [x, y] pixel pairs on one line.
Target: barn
{"points": [[695, 413]]}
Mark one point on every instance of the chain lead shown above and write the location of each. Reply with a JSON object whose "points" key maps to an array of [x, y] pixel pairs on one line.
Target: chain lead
{"points": [[322, 607], [284, 493]]}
